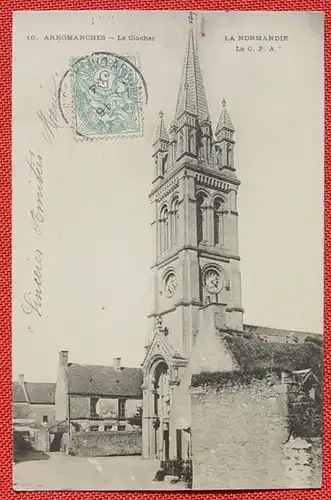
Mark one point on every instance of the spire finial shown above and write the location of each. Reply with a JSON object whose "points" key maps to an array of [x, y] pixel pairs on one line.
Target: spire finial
{"points": [[224, 120], [192, 96], [161, 132]]}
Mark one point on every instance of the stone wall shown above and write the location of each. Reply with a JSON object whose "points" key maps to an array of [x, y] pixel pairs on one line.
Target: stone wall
{"points": [[99, 444], [80, 407], [302, 462], [238, 433], [243, 433], [41, 440]]}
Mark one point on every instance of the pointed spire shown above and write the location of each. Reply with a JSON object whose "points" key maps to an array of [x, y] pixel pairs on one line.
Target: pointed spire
{"points": [[224, 120], [192, 96], [161, 131]]}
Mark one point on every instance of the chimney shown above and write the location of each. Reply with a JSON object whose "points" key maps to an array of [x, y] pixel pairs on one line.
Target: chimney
{"points": [[117, 363], [61, 389], [21, 378], [64, 355]]}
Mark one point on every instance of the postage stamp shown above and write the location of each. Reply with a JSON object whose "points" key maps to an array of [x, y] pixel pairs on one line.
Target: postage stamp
{"points": [[108, 93]]}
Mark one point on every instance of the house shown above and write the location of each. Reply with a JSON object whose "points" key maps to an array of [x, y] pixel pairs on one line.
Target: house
{"points": [[33, 406], [101, 405], [33, 402]]}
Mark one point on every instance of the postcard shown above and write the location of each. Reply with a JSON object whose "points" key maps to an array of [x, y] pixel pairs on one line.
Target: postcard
{"points": [[167, 250]]}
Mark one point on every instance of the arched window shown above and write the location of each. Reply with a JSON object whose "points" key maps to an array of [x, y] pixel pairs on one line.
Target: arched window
{"points": [[181, 142], [229, 155], [191, 141], [202, 150], [164, 229], [174, 221], [164, 164], [207, 148], [218, 211], [219, 157], [201, 218]]}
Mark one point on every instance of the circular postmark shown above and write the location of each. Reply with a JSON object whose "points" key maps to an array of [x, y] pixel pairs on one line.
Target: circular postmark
{"points": [[102, 95]]}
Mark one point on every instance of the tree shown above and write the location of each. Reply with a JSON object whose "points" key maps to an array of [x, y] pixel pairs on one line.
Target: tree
{"points": [[137, 417]]}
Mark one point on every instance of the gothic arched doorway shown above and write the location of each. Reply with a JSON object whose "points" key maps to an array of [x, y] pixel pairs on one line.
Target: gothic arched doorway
{"points": [[161, 409]]}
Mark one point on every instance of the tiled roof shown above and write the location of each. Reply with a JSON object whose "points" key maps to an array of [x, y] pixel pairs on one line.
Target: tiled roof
{"points": [[18, 393], [40, 392], [192, 96], [104, 380]]}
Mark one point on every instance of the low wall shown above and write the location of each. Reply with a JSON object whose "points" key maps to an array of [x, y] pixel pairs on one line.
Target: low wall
{"points": [[242, 434], [102, 444], [302, 462], [238, 433]]}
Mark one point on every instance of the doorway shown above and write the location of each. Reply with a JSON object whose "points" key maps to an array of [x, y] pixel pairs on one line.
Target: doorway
{"points": [[166, 444], [56, 442], [161, 410], [179, 448]]}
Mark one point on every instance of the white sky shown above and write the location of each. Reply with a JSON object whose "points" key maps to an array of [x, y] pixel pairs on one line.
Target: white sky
{"points": [[96, 238]]}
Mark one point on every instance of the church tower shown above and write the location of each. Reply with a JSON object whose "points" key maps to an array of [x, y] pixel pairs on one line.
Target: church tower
{"points": [[195, 233], [194, 199]]}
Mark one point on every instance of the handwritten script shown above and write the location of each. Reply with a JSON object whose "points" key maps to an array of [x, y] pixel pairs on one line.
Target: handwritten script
{"points": [[35, 163], [32, 301], [50, 120]]}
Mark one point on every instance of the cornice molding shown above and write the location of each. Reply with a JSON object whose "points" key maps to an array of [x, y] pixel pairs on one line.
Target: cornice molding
{"points": [[188, 168], [212, 182], [168, 188], [203, 251], [179, 303], [235, 309]]}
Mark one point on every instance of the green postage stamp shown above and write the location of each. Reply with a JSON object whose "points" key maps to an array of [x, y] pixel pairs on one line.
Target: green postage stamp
{"points": [[107, 96]]}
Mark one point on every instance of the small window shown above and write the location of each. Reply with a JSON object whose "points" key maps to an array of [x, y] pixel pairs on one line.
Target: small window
{"points": [[93, 407], [108, 427], [121, 408], [45, 419], [94, 428], [121, 427]]}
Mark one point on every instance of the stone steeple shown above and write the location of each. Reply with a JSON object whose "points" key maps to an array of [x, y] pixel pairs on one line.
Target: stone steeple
{"points": [[224, 119], [161, 134], [190, 131], [192, 96], [161, 147], [224, 143]]}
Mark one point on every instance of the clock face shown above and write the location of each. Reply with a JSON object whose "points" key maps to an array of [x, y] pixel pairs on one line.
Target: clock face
{"points": [[212, 281], [170, 284]]}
